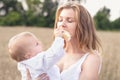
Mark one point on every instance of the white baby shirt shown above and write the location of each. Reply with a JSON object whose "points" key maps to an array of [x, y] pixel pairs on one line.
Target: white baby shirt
{"points": [[44, 62]]}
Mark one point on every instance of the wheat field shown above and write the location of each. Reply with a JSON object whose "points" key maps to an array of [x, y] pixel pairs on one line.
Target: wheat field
{"points": [[110, 55]]}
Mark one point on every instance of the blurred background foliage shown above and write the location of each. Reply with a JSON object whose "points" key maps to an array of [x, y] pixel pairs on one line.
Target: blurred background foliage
{"points": [[41, 13]]}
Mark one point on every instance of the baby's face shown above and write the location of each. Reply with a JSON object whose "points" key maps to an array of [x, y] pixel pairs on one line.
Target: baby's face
{"points": [[34, 46]]}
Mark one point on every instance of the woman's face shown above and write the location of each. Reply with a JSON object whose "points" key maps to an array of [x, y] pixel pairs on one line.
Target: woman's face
{"points": [[67, 21]]}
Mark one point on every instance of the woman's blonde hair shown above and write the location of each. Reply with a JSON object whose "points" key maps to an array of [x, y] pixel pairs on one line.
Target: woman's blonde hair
{"points": [[85, 30]]}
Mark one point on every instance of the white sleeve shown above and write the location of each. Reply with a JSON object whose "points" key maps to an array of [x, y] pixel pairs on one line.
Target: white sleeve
{"points": [[54, 53], [22, 70]]}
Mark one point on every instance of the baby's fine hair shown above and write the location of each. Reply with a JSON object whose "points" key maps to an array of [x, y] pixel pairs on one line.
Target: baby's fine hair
{"points": [[16, 50]]}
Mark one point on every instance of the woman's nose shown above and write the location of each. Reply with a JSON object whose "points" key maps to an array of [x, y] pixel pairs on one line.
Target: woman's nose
{"points": [[63, 24]]}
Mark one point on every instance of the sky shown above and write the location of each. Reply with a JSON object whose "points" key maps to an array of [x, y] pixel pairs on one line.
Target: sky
{"points": [[94, 5]]}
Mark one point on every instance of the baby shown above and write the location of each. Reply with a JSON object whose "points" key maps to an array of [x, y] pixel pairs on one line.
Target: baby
{"points": [[26, 49]]}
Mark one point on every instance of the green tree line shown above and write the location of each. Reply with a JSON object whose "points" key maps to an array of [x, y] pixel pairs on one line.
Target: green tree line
{"points": [[41, 13], [103, 22]]}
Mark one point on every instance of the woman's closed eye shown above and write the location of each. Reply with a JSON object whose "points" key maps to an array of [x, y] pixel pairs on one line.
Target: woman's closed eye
{"points": [[69, 20], [60, 20]]}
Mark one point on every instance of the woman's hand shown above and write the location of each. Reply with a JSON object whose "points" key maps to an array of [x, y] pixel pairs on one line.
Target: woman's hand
{"points": [[40, 77], [28, 75]]}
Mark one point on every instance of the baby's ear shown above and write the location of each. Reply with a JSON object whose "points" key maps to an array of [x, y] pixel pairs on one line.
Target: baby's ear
{"points": [[27, 56]]}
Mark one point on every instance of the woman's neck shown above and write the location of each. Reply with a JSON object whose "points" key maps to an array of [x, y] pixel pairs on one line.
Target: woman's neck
{"points": [[72, 47]]}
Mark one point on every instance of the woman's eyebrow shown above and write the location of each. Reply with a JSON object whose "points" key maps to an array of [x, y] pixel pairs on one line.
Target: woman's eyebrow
{"points": [[67, 17]]}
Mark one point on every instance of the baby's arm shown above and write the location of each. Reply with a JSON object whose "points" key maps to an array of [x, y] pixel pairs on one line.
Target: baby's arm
{"points": [[56, 51]]}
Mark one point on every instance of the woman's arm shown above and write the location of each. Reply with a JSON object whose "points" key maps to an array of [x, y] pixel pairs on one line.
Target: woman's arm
{"points": [[91, 67]]}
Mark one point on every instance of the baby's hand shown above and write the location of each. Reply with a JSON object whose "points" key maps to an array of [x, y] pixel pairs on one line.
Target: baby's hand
{"points": [[58, 33], [62, 33], [66, 35]]}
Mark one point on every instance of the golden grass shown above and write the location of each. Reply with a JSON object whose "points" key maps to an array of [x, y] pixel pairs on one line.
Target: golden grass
{"points": [[111, 55], [110, 42]]}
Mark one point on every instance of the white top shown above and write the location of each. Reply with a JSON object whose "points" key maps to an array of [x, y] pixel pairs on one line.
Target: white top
{"points": [[74, 71], [44, 61]]}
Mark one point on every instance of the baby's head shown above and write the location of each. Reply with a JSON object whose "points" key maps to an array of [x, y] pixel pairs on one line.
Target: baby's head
{"points": [[24, 46]]}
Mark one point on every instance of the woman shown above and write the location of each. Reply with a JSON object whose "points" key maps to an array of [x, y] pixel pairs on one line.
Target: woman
{"points": [[81, 60]]}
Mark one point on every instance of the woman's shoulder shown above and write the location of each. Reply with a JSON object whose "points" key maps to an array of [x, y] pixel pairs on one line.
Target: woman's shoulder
{"points": [[93, 61], [94, 57]]}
